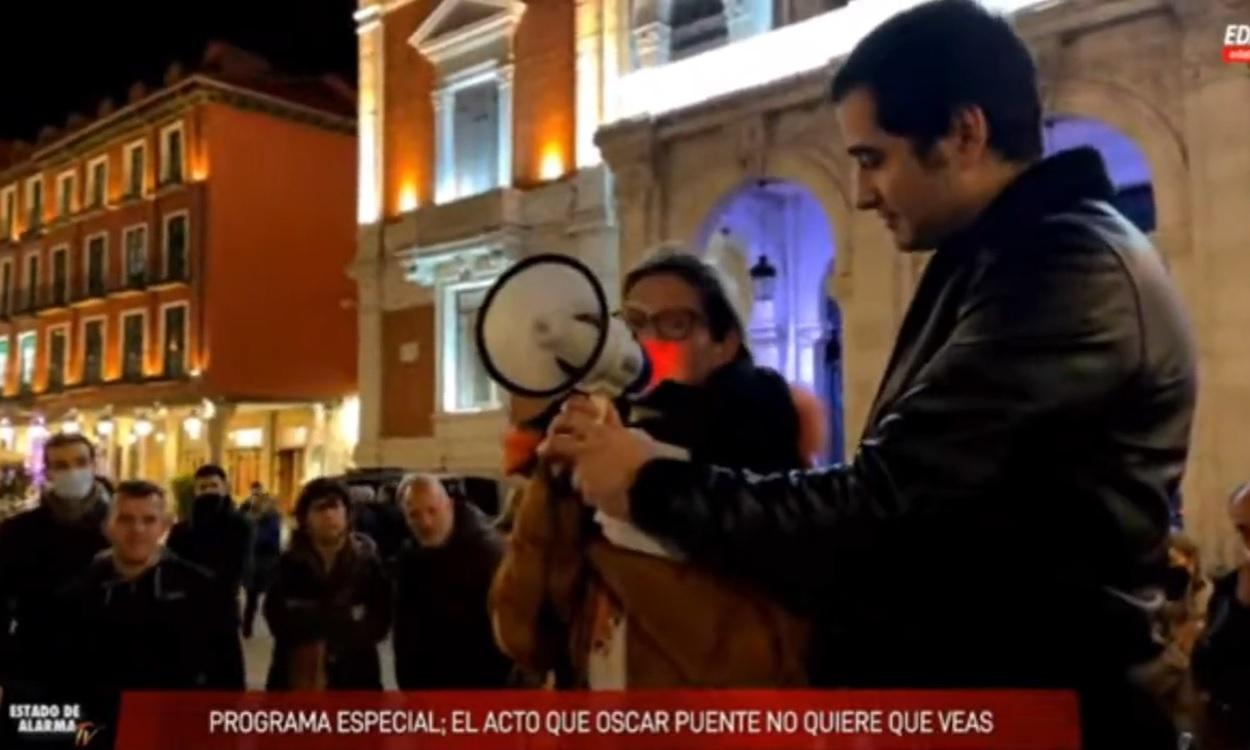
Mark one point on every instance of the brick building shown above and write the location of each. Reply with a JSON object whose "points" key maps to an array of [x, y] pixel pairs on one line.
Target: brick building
{"points": [[172, 277]]}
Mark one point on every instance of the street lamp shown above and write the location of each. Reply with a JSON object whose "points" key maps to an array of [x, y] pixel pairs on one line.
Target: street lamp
{"points": [[764, 279], [143, 427], [193, 425]]}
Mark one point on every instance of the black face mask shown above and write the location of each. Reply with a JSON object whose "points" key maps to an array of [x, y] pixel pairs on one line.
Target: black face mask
{"points": [[1176, 583]]}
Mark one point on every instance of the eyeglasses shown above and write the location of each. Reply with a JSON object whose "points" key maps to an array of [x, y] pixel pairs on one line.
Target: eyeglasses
{"points": [[673, 324]]}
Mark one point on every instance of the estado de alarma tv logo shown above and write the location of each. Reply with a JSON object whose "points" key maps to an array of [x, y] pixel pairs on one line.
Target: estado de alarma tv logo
{"points": [[53, 721]]}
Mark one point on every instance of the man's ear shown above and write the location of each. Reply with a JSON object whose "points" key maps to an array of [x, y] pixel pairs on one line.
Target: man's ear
{"points": [[969, 135]]}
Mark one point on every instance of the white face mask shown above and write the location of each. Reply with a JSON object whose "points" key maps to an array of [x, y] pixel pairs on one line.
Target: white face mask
{"points": [[73, 484]]}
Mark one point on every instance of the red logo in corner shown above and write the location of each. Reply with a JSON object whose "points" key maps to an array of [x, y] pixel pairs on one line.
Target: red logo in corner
{"points": [[1237, 43]]}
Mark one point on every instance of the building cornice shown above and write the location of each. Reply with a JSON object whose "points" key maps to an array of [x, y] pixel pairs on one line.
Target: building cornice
{"points": [[166, 103]]}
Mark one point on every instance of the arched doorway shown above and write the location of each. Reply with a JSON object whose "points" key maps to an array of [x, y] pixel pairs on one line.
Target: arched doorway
{"points": [[798, 332], [1126, 163]]}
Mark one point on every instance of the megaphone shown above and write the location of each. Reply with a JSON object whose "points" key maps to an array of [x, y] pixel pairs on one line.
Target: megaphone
{"points": [[544, 329]]}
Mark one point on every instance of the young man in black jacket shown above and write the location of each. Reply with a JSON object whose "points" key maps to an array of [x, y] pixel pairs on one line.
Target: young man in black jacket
{"points": [[1004, 521], [141, 618], [216, 536], [42, 550], [330, 602]]}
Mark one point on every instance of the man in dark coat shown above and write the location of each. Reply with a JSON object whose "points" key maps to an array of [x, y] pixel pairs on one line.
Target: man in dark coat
{"points": [[442, 634], [1030, 426], [140, 618], [1221, 660], [216, 536], [329, 605], [42, 550]]}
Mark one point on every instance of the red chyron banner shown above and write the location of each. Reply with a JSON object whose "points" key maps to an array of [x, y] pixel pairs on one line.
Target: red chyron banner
{"points": [[638, 720]]}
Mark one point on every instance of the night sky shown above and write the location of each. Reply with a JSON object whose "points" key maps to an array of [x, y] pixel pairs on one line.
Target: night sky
{"points": [[103, 47]]}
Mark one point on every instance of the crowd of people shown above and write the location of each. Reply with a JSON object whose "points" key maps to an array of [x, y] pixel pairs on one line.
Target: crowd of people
{"points": [[103, 592]]}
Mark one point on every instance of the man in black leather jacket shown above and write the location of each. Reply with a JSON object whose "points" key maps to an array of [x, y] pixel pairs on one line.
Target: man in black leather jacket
{"points": [[1004, 520]]}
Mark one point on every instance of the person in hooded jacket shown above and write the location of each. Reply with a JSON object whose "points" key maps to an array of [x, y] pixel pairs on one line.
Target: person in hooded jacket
{"points": [[216, 536], [43, 549], [443, 574], [329, 604]]}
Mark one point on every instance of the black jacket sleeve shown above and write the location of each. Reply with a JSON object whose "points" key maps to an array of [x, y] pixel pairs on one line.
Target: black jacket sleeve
{"points": [[1222, 652], [223, 652], [361, 621], [931, 460], [292, 616]]}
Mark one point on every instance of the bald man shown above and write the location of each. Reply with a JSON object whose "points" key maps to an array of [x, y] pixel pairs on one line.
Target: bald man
{"points": [[1222, 655], [443, 638]]}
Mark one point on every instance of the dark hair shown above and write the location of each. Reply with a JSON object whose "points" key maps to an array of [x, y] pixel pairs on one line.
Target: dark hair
{"points": [[211, 470], [317, 489], [62, 439], [924, 64], [139, 488], [717, 309]]}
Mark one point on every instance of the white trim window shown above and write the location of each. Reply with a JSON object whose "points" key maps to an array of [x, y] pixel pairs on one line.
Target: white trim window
{"points": [[8, 212], [94, 331], [95, 263], [175, 241], [470, 44], [135, 243], [174, 323], [58, 355], [466, 386], [66, 194], [134, 168], [27, 350], [97, 182], [173, 153], [134, 343], [34, 203], [59, 282]]}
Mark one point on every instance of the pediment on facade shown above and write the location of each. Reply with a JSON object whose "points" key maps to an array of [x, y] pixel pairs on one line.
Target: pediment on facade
{"points": [[459, 27]]}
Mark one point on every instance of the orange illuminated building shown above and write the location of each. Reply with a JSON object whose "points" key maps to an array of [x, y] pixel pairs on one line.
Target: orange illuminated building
{"points": [[476, 124], [173, 277]]}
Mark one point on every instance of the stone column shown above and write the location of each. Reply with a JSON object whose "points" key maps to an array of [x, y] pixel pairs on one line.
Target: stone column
{"points": [[217, 430], [588, 24], [1217, 108]]}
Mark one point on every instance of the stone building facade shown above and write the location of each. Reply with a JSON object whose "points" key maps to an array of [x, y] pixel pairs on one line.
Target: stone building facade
{"points": [[711, 119]]}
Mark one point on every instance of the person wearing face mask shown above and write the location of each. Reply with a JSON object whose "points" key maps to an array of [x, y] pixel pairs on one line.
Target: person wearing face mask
{"points": [[592, 603], [216, 536], [41, 550]]}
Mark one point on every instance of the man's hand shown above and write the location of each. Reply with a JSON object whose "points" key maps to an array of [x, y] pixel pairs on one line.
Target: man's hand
{"points": [[605, 455], [578, 414]]}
